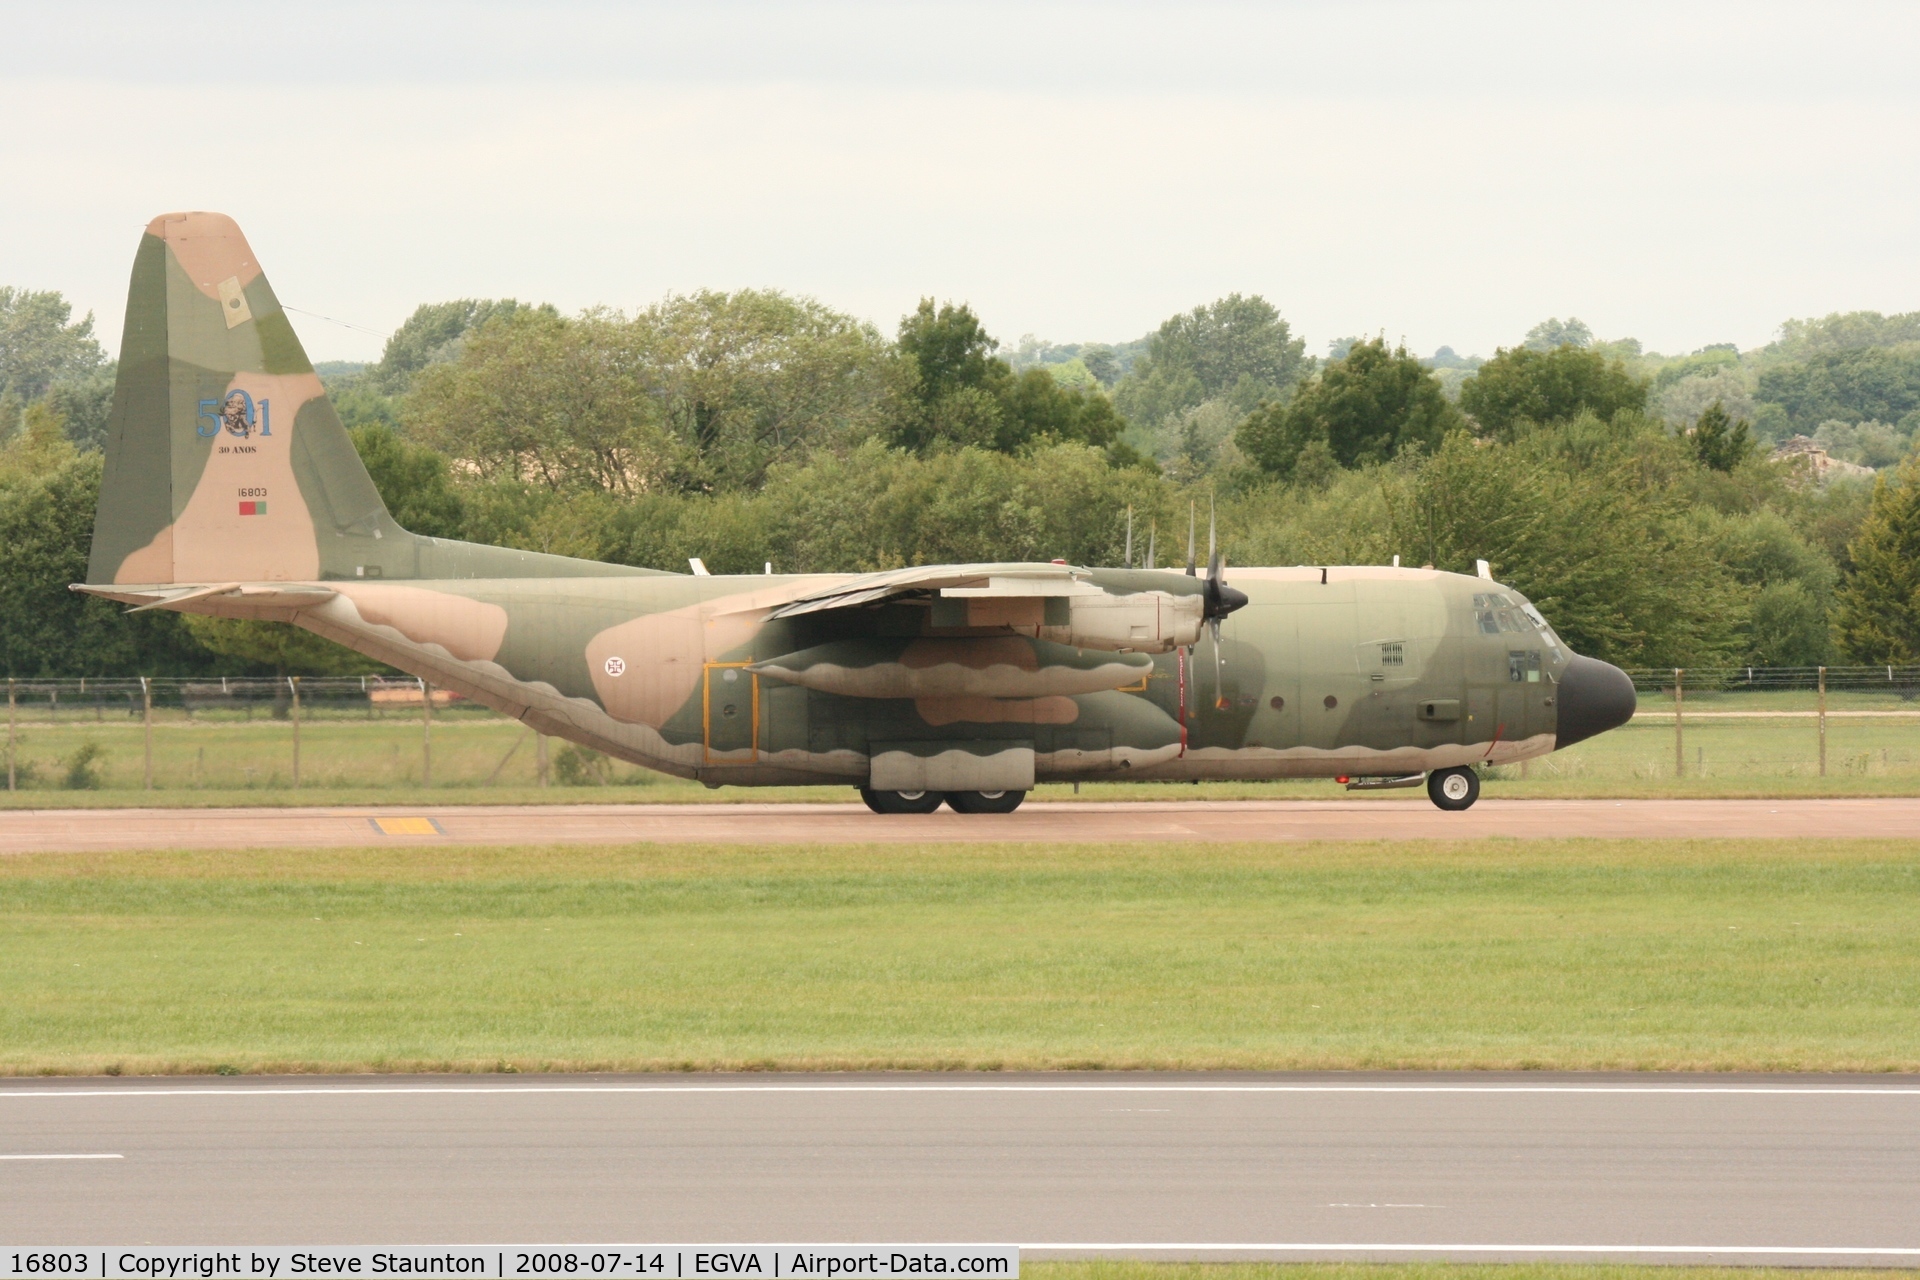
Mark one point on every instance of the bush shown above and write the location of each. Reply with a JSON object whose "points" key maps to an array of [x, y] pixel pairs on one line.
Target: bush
{"points": [[578, 766], [83, 767]]}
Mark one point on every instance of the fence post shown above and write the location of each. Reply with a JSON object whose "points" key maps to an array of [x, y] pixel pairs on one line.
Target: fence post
{"points": [[146, 719], [426, 734], [1679, 703], [294, 683], [1823, 722], [540, 746], [10, 714]]}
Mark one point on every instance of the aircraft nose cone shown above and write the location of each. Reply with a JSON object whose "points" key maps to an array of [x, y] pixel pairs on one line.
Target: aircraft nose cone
{"points": [[1594, 696]]}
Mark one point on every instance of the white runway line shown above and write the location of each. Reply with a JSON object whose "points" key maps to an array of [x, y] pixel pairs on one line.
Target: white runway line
{"points": [[274, 1091], [1767, 1250], [85, 1157]]}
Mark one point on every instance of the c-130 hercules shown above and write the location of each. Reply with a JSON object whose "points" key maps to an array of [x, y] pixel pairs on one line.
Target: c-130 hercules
{"points": [[232, 489]]}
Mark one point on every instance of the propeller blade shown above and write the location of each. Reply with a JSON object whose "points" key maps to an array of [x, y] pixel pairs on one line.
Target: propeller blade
{"points": [[1190, 532], [1153, 544], [1219, 697], [1213, 535], [1129, 557]]}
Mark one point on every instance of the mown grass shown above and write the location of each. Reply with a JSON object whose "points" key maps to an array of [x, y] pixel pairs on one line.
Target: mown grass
{"points": [[1713, 955]]}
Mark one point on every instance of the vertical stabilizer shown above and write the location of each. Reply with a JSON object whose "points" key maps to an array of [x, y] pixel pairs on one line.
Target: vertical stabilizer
{"points": [[225, 461]]}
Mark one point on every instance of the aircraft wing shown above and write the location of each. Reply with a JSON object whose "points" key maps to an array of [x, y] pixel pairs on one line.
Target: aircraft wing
{"points": [[1045, 601], [1012, 580]]}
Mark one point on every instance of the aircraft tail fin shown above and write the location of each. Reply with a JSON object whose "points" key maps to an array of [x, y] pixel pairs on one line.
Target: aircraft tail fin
{"points": [[225, 460]]}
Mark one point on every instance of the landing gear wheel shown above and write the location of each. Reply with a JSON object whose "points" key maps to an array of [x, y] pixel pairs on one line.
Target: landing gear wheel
{"points": [[902, 801], [985, 801], [1454, 789]]}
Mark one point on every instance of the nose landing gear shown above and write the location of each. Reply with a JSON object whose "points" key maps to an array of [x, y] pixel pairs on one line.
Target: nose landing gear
{"points": [[1453, 789]]}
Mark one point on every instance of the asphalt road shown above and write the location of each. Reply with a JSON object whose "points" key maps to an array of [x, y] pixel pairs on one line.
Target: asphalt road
{"points": [[80, 830], [1793, 1169]]}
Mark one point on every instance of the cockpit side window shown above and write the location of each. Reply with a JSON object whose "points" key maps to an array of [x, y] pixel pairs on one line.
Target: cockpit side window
{"points": [[1523, 666]]}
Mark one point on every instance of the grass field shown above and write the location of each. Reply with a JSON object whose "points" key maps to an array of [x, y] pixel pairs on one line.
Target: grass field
{"points": [[1561, 954], [479, 758]]}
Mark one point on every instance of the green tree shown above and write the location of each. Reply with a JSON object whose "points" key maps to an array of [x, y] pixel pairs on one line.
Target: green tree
{"points": [[48, 490], [1843, 331], [413, 481], [1527, 386], [84, 401], [1364, 409], [748, 379], [1792, 583], [1552, 333], [40, 342], [1878, 619], [433, 334], [697, 393], [1611, 561], [279, 646], [953, 392], [1235, 348], [557, 403], [1720, 442], [1852, 385]]}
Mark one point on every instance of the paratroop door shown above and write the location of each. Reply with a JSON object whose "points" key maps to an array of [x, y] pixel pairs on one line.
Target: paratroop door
{"points": [[731, 705]]}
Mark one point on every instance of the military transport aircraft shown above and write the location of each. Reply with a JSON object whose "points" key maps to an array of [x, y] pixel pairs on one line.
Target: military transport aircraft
{"points": [[232, 489]]}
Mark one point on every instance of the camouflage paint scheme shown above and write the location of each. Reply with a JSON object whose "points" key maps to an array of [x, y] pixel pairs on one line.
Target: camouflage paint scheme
{"points": [[231, 489]]}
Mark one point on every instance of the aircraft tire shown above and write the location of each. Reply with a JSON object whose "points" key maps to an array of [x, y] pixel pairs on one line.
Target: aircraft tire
{"points": [[902, 801], [985, 801], [1453, 789]]}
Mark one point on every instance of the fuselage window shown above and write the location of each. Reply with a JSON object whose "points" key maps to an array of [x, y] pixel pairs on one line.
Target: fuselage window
{"points": [[1523, 666]]}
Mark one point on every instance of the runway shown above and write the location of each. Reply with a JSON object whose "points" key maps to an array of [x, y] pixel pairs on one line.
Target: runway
{"points": [[83, 830], [1794, 1169]]}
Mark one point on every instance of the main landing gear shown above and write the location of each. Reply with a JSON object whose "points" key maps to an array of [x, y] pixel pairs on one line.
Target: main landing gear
{"points": [[1453, 789], [928, 801]]}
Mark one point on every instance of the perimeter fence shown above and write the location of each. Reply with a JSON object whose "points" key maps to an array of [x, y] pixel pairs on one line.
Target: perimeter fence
{"points": [[245, 733], [1757, 723], [1722, 724]]}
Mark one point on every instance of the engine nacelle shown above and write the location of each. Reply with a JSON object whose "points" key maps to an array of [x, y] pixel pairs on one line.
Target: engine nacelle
{"points": [[1146, 621]]}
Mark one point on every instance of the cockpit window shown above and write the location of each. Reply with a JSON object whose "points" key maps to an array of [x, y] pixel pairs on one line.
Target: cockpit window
{"points": [[1489, 625]]}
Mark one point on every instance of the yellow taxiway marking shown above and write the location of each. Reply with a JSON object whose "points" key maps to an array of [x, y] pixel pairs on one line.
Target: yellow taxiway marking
{"points": [[407, 826]]}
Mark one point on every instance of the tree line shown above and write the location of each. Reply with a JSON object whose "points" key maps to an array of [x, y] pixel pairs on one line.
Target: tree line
{"points": [[1629, 494]]}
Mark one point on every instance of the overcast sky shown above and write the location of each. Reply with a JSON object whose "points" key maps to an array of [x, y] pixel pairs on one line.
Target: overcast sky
{"points": [[1446, 172]]}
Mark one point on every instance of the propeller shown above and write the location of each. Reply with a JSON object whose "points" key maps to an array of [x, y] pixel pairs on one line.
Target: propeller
{"points": [[1153, 544], [1128, 561], [1221, 599]]}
